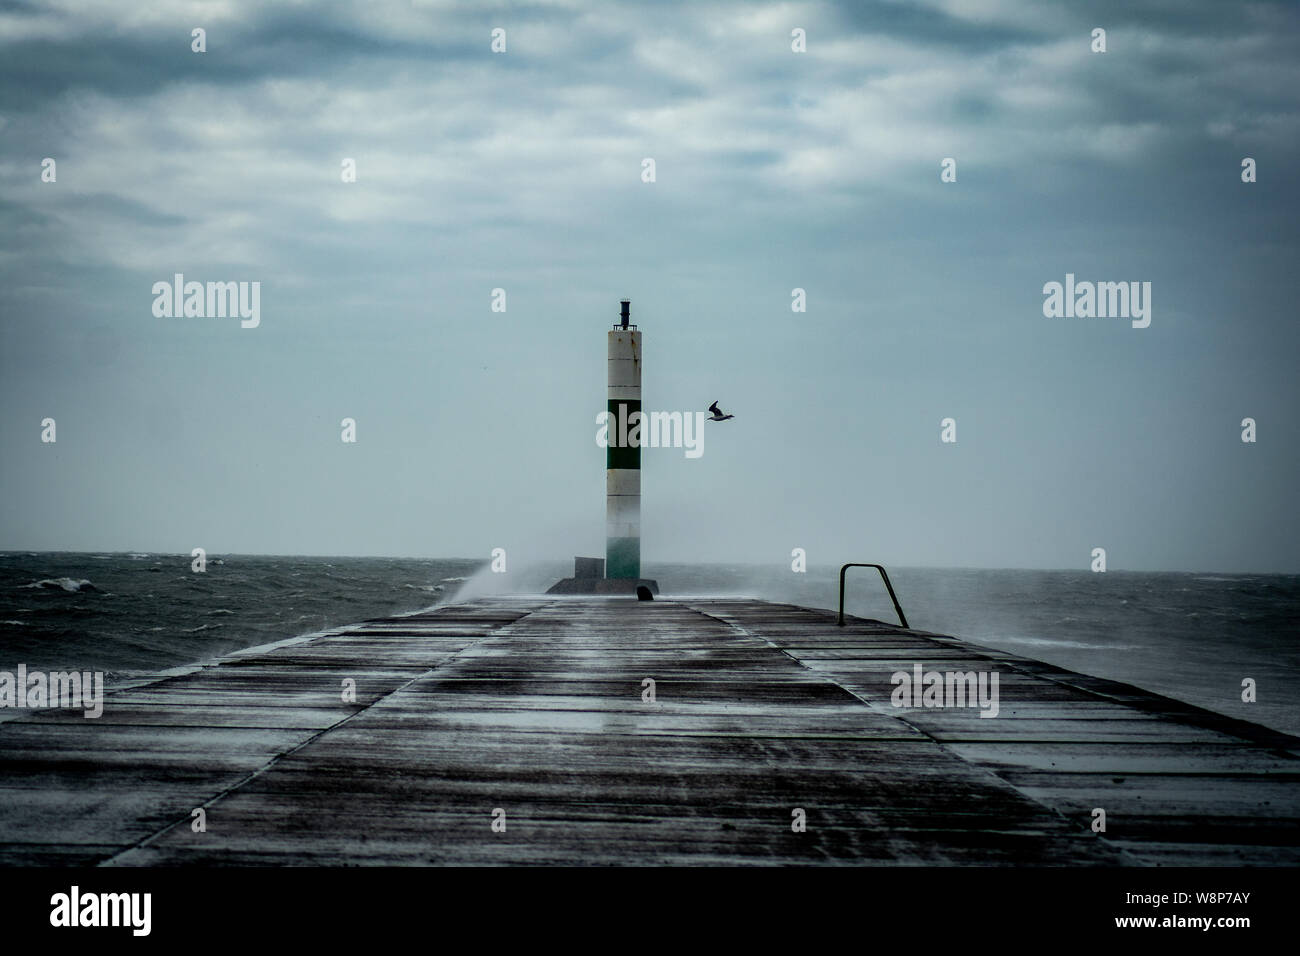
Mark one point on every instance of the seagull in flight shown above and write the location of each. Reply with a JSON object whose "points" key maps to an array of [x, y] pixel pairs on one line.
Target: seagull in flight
{"points": [[717, 415]]}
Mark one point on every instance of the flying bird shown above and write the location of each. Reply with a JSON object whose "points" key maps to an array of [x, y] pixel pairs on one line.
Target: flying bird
{"points": [[717, 415]]}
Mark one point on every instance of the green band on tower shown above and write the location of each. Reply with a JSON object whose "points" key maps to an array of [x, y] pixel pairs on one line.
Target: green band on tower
{"points": [[622, 456]]}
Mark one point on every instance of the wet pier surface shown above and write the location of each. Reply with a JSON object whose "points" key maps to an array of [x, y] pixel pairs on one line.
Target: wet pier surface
{"points": [[531, 711]]}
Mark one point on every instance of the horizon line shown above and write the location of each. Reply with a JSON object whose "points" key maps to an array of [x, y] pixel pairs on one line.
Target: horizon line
{"points": [[703, 563]]}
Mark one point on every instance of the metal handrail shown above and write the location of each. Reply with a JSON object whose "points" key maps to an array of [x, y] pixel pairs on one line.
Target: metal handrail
{"points": [[889, 587]]}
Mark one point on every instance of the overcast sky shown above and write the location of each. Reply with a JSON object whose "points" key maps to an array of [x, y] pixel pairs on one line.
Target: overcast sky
{"points": [[775, 170]]}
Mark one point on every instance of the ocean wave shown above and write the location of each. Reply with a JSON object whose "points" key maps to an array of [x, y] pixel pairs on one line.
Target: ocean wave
{"points": [[220, 610], [15, 623], [71, 585], [455, 579], [1077, 645]]}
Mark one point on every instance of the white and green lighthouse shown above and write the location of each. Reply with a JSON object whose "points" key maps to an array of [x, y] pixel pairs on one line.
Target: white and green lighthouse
{"points": [[619, 572]]}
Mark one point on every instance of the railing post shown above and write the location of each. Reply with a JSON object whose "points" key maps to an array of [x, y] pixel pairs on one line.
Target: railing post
{"points": [[888, 587], [840, 622]]}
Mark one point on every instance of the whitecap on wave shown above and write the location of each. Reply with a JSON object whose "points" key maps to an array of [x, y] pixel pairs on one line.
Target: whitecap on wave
{"points": [[71, 585], [1072, 645]]}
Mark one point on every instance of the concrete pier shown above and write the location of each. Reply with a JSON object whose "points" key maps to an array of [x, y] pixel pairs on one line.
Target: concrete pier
{"points": [[534, 708]]}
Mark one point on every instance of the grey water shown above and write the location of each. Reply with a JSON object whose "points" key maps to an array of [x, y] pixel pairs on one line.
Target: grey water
{"points": [[132, 613], [1194, 637]]}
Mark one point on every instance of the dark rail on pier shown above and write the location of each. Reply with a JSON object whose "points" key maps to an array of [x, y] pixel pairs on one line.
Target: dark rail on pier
{"points": [[902, 619]]}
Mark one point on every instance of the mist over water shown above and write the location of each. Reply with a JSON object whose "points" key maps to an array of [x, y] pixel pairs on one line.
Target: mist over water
{"points": [[1189, 636]]}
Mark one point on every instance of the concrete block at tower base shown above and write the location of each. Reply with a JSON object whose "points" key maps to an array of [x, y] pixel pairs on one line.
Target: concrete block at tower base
{"points": [[588, 567]]}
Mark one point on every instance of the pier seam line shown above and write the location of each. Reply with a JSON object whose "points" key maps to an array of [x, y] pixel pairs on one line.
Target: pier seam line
{"points": [[254, 774]]}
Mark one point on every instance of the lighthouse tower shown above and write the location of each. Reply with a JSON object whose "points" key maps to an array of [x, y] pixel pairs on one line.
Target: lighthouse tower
{"points": [[619, 572], [623, 462]]}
